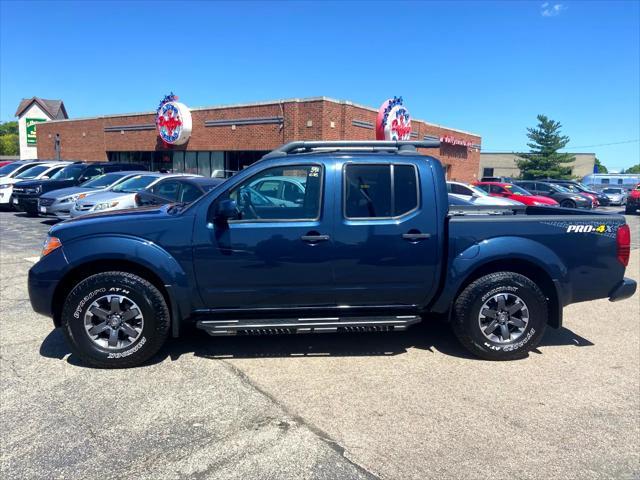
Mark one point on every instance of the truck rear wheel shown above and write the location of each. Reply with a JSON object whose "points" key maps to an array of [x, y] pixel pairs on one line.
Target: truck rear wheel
{"points": [[501, 316], [115, 320]]}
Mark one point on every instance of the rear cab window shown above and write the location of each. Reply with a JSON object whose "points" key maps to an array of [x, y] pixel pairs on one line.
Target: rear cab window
{"points": [[378, 191]]}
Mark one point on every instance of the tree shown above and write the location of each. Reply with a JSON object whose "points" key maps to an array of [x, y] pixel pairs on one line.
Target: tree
{"points": [[9, 144], [634, 169], [8, 128], [601, 168], [544, 160]]}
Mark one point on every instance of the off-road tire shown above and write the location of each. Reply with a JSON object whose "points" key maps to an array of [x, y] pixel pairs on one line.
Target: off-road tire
{"points": [[467, 308], [150, 301]]}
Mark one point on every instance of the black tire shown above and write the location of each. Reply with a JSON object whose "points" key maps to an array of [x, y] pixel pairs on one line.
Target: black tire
{"points": [[146, 296], [467, 307], [567, 204]]}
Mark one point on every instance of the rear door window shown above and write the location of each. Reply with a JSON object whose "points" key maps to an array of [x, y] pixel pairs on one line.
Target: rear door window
{"points": [[370, 190]]}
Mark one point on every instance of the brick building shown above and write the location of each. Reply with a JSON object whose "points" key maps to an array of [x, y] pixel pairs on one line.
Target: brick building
{"points": [[234, 136]]}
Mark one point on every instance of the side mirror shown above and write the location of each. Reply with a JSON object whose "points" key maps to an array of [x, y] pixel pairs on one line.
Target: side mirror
{"points": [[44, 177], [227, 209]]}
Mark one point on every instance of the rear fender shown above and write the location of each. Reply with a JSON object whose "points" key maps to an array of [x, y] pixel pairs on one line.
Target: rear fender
{"points": [[517, 250]]}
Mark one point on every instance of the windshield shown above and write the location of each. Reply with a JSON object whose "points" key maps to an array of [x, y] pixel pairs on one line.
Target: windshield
{"points": [[72, 172], [134, 184], [7, 169], [477, 190], [612, 190], [564, 188], [102, 181], [516, 190], [32, 172]]}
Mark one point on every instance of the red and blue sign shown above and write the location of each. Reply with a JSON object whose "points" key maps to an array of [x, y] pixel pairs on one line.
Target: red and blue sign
{"points": [[394, 121], [173, 121]]}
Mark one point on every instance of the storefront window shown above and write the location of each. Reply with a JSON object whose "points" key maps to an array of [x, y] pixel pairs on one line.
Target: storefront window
{"points": [[178, 162], [217, 163], [204, 165], [190, 163]]}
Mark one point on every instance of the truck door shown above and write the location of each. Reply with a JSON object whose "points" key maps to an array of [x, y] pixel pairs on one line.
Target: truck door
{"points": [[385, 233], [273, 254]]}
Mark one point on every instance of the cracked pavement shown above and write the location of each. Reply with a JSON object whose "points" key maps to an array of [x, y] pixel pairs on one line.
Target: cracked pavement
{"points": [[391, 406]]}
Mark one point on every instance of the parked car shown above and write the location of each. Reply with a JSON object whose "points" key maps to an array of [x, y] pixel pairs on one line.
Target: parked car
{"points": [[223, 173], [175, 190], [497, 179], [371, 248], [475, 195], [121, 196], [514, 192], [616, 195], [283, 191], [35, 172], [25, 195], [633, 200], [6, 162], [577, 187], [563, 196], [59, 202]]}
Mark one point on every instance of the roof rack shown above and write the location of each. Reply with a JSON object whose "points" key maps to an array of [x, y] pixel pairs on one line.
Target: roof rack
{"points": [[401, 146]]}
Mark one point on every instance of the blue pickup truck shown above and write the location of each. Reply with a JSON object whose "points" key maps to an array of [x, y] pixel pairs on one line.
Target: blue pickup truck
{"points": [[325, 237]]}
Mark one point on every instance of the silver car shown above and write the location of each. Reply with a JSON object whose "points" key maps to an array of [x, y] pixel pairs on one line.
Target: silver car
{"points": [[120, 196], [59, 202], [616, 195]]}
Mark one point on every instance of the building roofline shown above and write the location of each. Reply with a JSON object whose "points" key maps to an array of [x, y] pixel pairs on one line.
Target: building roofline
{"points": [[517, 153], [258, 104]]}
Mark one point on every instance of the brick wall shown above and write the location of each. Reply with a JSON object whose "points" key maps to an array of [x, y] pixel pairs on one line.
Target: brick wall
{"points": [[319, 119]]}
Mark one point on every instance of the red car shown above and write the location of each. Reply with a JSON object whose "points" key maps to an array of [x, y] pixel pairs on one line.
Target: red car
{"points": [[5, 162], [633, 200], [514, 192]]}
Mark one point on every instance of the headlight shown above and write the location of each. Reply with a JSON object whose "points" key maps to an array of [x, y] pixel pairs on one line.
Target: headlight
{"points": [[105, 205], [50, 244], [37, 190], [6, 185], [73, 198]]}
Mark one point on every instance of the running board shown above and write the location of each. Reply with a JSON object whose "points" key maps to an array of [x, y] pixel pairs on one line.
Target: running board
{"points": [[307, 325]]}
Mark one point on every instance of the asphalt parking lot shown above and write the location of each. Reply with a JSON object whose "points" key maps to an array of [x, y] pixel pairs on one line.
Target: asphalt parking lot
{"points": [[404, 405]]}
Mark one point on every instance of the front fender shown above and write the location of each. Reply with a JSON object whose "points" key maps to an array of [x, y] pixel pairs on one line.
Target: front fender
{"points": [[105, 247], [465, 263]]}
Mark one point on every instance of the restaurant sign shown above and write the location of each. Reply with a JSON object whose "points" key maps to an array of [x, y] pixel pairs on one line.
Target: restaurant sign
{"points": [[32, 123]]}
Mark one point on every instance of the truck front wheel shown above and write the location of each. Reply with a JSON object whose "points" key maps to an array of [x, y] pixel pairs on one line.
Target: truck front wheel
{"points": [[501, 316], [115, 320]]}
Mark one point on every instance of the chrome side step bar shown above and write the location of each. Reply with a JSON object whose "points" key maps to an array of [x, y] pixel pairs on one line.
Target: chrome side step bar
{"points": [[307, 325]]}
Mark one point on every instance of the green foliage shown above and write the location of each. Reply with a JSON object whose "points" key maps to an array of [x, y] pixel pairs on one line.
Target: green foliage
{"points": [[9, 143], [634, 169], [8, 128], [601, 167], [544, 160]]}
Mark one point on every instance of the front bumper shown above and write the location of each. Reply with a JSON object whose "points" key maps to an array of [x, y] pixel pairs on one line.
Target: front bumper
{"points": [[624, 289], [5, 195], [43, 280], [60, 210], [25, 204]]}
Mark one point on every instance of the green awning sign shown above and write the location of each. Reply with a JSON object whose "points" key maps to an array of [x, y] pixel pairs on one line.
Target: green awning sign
{"points": [[31, 129]]}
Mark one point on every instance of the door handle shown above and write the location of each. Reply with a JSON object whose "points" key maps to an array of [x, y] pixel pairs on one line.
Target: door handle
{"points": [[314, 238], [416, 236]]}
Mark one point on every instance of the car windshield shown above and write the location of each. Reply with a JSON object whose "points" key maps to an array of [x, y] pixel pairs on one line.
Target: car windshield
{"points": [[563, 188], [477, 190], [102, 181], [516, 190], [72, 172], [134, 184], [612, 190], [32, 172], [7, 169]]}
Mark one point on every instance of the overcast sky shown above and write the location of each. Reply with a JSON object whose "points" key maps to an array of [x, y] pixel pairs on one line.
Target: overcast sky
{"points": [[484, 67]]}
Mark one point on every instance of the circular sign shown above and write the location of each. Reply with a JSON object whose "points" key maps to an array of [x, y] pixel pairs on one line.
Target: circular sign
{"points": [[394, 121], [173, 122]]}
